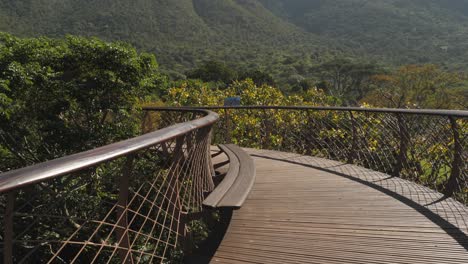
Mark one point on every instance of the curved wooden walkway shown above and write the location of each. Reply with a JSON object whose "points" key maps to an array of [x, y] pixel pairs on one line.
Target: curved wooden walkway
{"points": [[310, 210]]}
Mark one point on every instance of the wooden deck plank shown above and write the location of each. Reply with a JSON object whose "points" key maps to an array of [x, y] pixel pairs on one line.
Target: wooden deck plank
{"points": [[298, 213]]}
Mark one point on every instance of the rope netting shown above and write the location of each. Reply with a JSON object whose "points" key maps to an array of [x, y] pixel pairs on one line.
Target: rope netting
{"points": [[132, 209]]}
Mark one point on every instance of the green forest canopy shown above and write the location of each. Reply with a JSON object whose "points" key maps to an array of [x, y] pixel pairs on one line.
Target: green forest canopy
{"points": [[84, 92], [285, 38], [63, 95]]}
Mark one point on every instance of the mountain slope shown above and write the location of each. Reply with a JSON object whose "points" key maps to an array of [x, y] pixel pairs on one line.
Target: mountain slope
{"points": [[402, 31], [180, 32], [280, 36]]}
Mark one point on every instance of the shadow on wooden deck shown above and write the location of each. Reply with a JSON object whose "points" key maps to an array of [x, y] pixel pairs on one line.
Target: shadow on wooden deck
{"points": [[452, 230], [311, 210]]}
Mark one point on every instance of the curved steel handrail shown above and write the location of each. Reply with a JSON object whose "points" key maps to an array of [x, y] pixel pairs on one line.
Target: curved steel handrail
{"points": [[26, 176], [183, 180], [399, 157], [436, 112]]}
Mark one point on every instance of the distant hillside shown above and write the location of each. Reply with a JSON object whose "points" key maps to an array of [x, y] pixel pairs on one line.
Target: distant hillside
{"points": [[400, 31], [180, 32], [285, 37]]}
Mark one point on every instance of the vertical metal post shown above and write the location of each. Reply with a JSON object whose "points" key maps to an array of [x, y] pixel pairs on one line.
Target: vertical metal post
{"points": [[8, 229], [457, 161], [353, 149], [228, 127], [205, 161], [403, 147], [186, 236], [143, 122], [307, 135], [175, 205], [267, 122], [125, 252], [208, 154]]}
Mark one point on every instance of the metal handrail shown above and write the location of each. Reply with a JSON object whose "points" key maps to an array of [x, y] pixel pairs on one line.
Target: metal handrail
{"points": [[128, 212], [394, 128], [173, 196], [26, 176], [436, 112]]}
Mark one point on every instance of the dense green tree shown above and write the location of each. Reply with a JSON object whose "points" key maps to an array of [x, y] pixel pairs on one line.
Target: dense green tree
{"points": [[59, 96], [418, 86], [213, 71], [346, 79], [305, 85], [258, 77]]}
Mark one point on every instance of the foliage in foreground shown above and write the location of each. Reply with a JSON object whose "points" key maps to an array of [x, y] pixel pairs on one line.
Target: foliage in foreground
{"points": [[419, 86], [61, 96], [418, 148]]}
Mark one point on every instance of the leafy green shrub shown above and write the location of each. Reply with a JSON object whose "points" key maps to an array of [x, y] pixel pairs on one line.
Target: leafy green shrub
{"points": [[61, 96]]}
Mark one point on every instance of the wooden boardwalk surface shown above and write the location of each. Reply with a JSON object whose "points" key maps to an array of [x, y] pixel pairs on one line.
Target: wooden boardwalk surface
{"points": [[298, 212]]}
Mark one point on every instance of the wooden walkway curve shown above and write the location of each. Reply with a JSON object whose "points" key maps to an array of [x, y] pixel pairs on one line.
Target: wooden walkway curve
{"points": [[300, 211]]}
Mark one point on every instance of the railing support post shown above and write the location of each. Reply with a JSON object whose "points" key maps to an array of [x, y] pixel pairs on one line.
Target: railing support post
{"points": [[352, 151], [204, 160], [8, 229], [186, 236], [175, 205], [403, 146], [125, 252], [457, 162], [208, 155], [266, 143], [144, 127], [228, 127]]}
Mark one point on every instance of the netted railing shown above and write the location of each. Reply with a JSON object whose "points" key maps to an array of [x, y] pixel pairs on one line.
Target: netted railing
{"points": [[129, 202], [135, 201], [428, 147]]}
